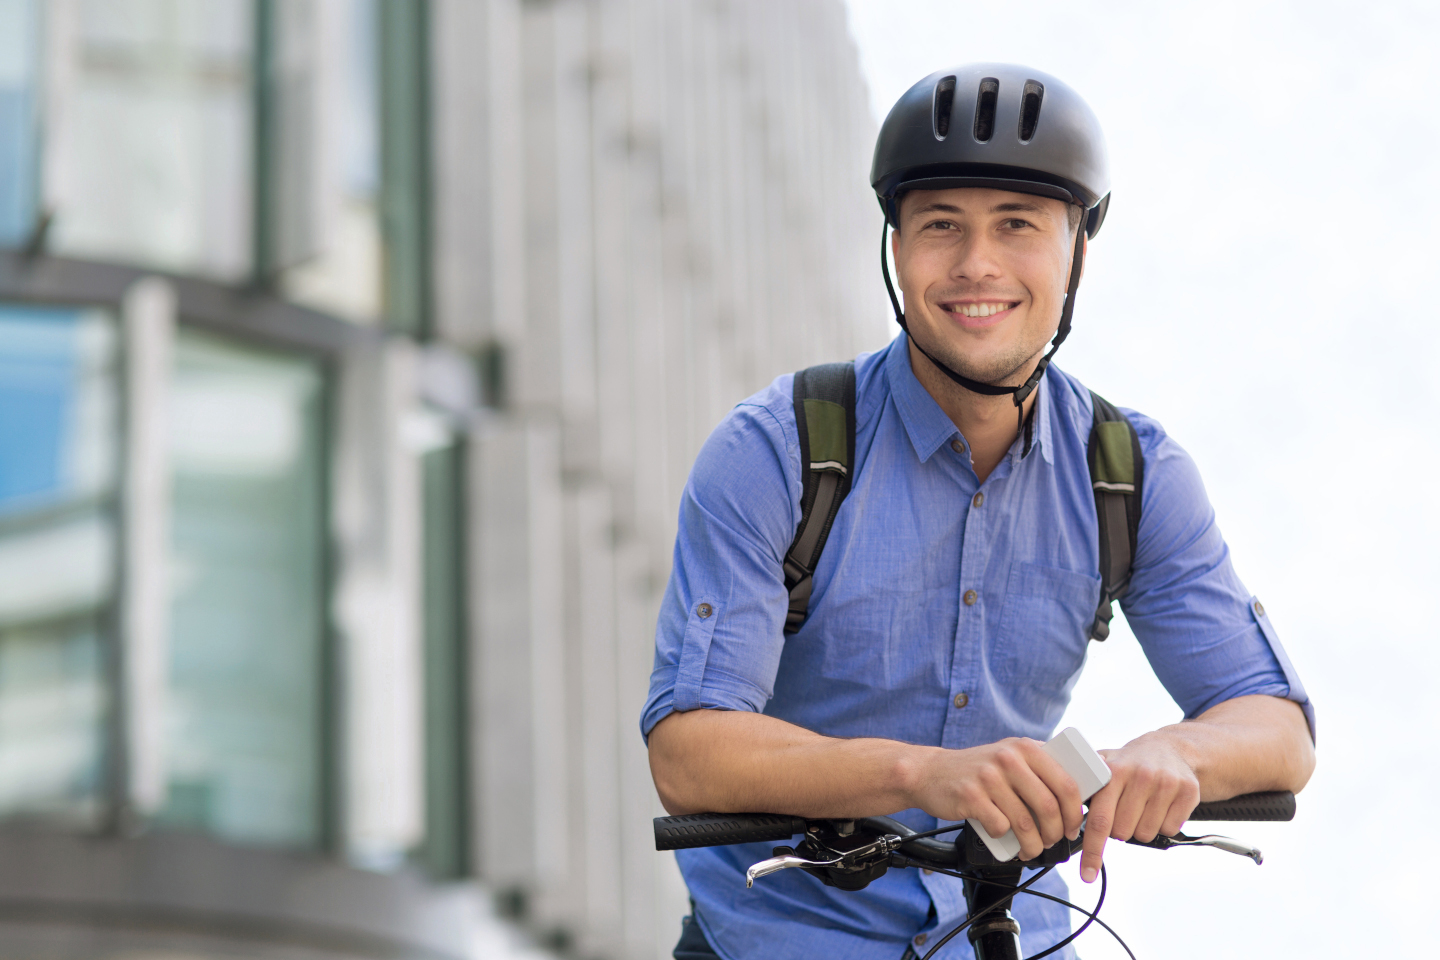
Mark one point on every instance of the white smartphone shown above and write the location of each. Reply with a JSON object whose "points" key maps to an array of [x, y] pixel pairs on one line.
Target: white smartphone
{"points": [[1080, 760]]}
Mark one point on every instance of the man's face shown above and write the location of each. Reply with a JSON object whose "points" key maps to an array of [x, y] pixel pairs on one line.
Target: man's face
{"points": [[984, 274]]}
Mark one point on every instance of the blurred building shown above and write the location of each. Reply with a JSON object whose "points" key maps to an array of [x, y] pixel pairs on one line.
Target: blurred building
{"points": [[352, 357]]}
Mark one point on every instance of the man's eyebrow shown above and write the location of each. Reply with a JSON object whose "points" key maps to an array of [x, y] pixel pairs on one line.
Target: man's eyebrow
{"points": [[936, 207], [1017, 206]]}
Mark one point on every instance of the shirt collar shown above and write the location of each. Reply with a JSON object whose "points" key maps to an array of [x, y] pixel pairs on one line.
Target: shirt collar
{"points": [[1043, 415], [928, 426]]}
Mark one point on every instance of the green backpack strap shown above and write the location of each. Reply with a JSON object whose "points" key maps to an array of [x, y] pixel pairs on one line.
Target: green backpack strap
{"points": [[1117, 474], [825, 419]]}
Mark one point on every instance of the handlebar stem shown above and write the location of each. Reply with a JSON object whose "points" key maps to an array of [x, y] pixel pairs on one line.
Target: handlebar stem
{"points": [[995, 936]]}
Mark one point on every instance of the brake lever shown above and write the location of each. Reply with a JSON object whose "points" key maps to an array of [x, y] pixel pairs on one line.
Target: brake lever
{"points": [[881, 847], [775, 864], [1162, 842]]}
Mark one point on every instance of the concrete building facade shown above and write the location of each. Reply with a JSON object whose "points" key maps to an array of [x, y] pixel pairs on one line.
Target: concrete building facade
{"points": [[353, 354]]}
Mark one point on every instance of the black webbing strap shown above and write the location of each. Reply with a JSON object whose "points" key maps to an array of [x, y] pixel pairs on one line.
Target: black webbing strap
{"points": [[825, 419], [1117, 474]]}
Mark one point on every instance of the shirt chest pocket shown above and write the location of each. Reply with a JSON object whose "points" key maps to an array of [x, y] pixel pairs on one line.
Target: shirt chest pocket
{"points": [[1044, 627]]}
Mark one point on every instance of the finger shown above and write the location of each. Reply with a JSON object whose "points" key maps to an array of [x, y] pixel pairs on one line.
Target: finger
{"points": [[1023, 823], [1042, 807], [1066, 792], [1180, 809], [1022, 762], [994, 785], [1097, 829], [990, 816], [1157, 808], [1135, 791]]}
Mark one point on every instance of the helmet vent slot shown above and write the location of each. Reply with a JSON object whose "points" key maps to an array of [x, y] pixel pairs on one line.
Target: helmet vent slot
{"points": [[1030, 109], [985, 109], [944, 101]]}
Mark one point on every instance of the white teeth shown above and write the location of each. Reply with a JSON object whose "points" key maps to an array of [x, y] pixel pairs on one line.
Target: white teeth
{"points": [[981, 309]]}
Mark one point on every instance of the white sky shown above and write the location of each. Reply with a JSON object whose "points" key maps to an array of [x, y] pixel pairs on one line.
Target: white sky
{"points": [[1265, 285]]}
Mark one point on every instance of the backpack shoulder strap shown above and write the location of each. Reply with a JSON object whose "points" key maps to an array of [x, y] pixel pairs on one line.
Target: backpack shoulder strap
{"points": [[1117, 474], [825, 419]]}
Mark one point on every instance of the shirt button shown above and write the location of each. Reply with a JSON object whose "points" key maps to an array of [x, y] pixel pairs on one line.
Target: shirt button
{"points": [[961, 699], [970, 597], [920, 938], [928, 871], [957, 446], [704, 611], [1259, 609], [979, 499]]}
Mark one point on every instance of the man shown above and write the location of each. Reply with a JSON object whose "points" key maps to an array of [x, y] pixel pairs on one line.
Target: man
{"points": [[951, 608]]}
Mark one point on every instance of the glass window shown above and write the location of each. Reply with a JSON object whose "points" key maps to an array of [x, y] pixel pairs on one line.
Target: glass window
{"points": [[246, 721], [58, 423], [19, 39], [343, 275], [152, 124]]}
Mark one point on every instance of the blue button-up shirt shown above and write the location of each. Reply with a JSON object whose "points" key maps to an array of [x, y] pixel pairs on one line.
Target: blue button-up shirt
{"points": [[891, 643]]}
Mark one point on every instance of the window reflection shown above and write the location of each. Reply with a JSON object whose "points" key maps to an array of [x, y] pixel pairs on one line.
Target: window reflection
{"points": [[341, 273], [58, 408], [155, 120], [244, 730]]}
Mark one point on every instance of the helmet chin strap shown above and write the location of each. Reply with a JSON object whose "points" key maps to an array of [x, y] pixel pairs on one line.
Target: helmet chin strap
{"points": [[1017, 394]]}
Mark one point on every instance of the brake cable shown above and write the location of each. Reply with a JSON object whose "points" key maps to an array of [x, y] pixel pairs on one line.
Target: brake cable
{"points": [[1091, 915], [1000, 904]]}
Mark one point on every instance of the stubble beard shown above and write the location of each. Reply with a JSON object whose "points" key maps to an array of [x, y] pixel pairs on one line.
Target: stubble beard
{"points": [[1009, 369]]}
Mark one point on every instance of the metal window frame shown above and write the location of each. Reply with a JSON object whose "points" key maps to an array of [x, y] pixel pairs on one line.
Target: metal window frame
{"points": [[446, 850], [405, 165], [245, 313]]}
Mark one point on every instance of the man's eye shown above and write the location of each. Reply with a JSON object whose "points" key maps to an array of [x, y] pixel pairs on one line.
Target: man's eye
{"points": [[942, 225], [1017, 224]]}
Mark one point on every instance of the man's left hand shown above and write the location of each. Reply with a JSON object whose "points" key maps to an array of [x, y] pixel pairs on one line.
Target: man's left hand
{"points": [[1152, 790], [1239, 746]]}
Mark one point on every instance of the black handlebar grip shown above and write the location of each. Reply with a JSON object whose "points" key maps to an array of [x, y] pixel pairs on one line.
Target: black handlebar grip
{"points": [[1274, 805], [719, 829]]}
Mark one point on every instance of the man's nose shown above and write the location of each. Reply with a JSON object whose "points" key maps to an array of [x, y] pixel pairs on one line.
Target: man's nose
{"points": [[977, 259]]}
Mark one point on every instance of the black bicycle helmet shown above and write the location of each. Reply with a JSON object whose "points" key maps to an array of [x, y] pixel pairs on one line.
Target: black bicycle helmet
{"points": [[1001, 126]]}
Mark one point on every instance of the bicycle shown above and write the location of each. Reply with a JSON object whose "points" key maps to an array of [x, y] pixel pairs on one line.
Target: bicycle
{"points": [[851, 854]]}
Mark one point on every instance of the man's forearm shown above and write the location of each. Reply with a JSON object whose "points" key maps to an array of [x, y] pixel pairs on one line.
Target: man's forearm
{"points": [[731, 761], [1245, 745]]}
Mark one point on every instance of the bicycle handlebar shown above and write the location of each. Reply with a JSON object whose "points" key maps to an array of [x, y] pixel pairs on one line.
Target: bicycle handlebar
{"points": [[720, 829], [851, 854], [1271, 805]]}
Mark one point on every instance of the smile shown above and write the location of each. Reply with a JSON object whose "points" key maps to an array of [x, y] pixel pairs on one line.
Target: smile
{"points": [[987, 308]]}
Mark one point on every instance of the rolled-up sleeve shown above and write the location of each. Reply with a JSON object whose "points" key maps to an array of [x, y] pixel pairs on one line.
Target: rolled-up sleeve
{"points": [[1206, 637], [721, 624]]}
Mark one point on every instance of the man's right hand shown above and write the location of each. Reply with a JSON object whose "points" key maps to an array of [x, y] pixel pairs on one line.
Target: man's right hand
{"points": [[734, 762], [1010, 785]]}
